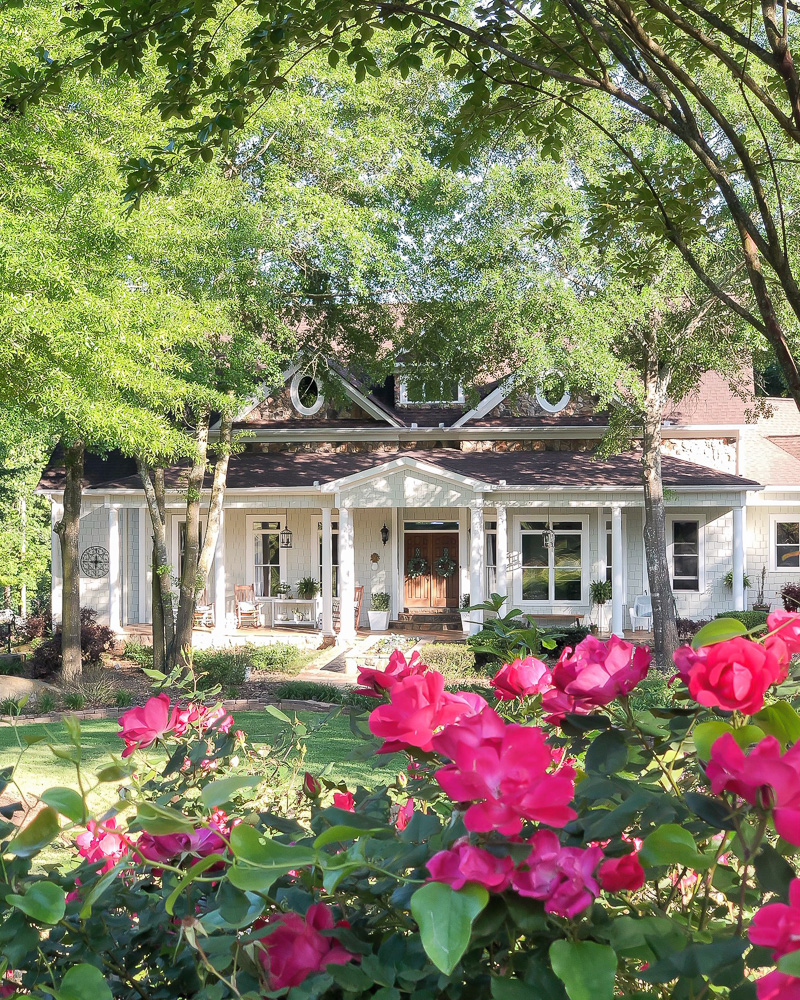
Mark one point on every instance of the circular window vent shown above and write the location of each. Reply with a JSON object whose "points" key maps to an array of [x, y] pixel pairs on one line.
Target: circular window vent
{"points": [[547, 392], [306, 396]]}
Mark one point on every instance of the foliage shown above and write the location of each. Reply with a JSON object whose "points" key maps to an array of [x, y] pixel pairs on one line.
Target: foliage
{"points": [[790, 595], [75, 700], [45, 702], [277, 658], [600, 591], [380, 602], [508, 634], [455, 660], [689, 627], [563, 636], [229, 668], [95, 640], [137, 652], [36, 626], [750, 619], [307, 588], [11, 665], [727, 580], [309, 691]]}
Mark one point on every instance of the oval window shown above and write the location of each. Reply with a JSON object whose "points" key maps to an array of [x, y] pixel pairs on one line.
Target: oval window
{"points": [[306, 396], [552, 393]]}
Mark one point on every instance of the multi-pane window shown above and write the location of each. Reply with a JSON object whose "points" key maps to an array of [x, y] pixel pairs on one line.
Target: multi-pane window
{"points": [[266, 551], [787, 544], [552, 574], [335, 552], [685, 555], [609, 554], [490, 557], [428, 390]]}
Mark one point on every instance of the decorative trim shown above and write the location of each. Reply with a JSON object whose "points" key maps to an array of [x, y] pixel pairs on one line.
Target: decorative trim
{"points": [[294, 392], [542, 400]]}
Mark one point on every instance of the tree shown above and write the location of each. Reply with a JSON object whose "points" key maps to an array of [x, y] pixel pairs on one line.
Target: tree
{"points": [[697, 105]]}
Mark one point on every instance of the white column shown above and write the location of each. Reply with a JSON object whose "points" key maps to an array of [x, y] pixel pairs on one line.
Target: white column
{"points": [[347, 576], [327, 572], [114, 570], [738, 559], [502, 552], [617, 596], [463, 548], [398, 597], [220, 581], [145, 559], [476, 588], [56, 574]]}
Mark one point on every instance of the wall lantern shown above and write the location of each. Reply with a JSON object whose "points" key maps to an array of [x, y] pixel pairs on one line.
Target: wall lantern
{"points": [[384, 533], [549, 536], [286, 538]]}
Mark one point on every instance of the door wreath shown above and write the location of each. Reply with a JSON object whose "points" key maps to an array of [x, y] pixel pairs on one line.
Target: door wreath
{"points": [[445, 566], [417, 565]]}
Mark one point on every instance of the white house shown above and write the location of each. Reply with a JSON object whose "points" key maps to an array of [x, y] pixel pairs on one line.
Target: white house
{"points": [[408, 490]]}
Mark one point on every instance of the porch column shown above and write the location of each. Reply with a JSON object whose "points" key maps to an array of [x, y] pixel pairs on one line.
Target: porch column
{"points": [[477, 545], [738, 559], [220, 581], [327, 572], [398, 598], [114, 570], [617, 596], [56, 574], [145, 559], [347, 576], [502, 551], [463, 549]]}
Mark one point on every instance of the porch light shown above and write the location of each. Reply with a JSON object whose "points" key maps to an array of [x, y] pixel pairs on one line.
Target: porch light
{"points": [[384, 533], [549, 537], [286, 538]]}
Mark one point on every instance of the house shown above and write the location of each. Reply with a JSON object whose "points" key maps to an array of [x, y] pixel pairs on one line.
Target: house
{"points": [[408, 489]]}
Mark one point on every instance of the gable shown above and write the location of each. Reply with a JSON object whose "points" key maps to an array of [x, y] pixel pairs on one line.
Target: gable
{"points": [[277, 410]]}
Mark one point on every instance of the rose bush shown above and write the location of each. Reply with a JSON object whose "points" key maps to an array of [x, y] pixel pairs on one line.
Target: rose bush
{"points": [[547, 841]]}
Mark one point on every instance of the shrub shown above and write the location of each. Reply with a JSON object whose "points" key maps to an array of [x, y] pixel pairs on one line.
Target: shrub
{"points": [[380, 602], [138, 653], [310, 691], [750, 619], [75, 700], [790, 595], [95, 640], [122, 698], [228, 667], [689, 627], [279, 658], [9, 706], [453, 659], [563, 637], [11, 665], [36, 626], [97, 686], [45, 702]]}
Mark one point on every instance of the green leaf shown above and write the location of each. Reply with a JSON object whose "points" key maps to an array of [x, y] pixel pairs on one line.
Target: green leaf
{"points": [[253, 848], [100, 887], [197, 869], [790, 964], [82, 981], [445, 920], [670, 844], [707, 733], [587, 969], [160, 819], [718, 631], [222, 790], [773, 871], [43, 902], [607, 753], [43, 828], [73, 727], [66, 801], [112, 773], [781, 721], [510, 989], [276, 713], [350, 829]]}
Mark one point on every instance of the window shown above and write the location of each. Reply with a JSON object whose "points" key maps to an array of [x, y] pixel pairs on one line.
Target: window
{"points": [[335, 554], [609, 551], [305, 394], [787, 545], [686, 555], [266, 557], [431, 525], [490, 557], [552, 574], [427, 390]]}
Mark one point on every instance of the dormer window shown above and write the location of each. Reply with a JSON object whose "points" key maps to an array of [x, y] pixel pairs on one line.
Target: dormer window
{"points": [[306, 396], [445, 392]]}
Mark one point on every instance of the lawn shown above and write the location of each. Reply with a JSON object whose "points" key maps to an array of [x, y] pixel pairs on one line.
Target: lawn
{"points": [[39, 768]]}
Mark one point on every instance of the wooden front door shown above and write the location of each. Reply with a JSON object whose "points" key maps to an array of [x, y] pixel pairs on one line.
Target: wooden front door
{"points": [[430, 589]]}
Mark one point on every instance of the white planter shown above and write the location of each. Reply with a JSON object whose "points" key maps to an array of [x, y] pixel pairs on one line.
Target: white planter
{"points": [[603, 616], [378, 621], [465, 621]]}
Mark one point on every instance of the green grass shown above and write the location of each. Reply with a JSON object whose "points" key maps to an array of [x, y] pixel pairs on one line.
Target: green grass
{"points": [[39, 768]]}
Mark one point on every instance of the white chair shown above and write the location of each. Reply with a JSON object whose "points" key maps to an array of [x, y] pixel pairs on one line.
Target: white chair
{"points": [[642, 613]]}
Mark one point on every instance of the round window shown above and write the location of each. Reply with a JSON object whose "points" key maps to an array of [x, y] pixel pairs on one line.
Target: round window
{"points": [[552, 393], [306, 396]]}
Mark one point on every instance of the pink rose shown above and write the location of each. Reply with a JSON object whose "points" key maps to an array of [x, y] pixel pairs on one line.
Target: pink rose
{"points": [[102, 842], [164, 848], [521, 679], [466, 863], [778, 986], [311, 786], [787, 626], [141, 727], [375, 683], [734, 675], [344, 800], [297, 948], [623, 874], [562, 876], [777, 926], [404, 814], [419, 707], [595, 674]]}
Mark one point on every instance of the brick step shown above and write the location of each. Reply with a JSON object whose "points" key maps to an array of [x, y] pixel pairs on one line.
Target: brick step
{"points": [[429, 616], [434, 628]]}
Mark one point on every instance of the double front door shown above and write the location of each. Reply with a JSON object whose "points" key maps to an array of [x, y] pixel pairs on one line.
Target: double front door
{"points": [[431, 570]]}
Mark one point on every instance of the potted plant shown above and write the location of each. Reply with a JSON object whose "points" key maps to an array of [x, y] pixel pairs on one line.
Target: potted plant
{"points": [[464, 612], [728, 580], [307, 588], [600, 594], [379, 613], [283, 590], [299, 616], [761, 604]]}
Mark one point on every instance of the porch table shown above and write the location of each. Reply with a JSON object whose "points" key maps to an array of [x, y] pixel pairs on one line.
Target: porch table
{"points": [[288, 605], [555, 619]]}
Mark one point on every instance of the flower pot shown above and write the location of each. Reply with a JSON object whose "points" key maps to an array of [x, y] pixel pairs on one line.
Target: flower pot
{"points": [[761, 607], [603, 616], [378, 621]]}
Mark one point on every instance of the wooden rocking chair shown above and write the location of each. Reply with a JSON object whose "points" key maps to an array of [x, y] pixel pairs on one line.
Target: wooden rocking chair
{"points": [[203, 613], [246, 608]]}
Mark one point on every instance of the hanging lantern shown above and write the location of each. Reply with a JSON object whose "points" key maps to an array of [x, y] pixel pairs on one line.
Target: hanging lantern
{"points": [[549, 537], [286, 538], [384, 533]]}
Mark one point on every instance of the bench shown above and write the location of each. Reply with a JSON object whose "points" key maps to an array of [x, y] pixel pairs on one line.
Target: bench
{"points": [[555, 619]]}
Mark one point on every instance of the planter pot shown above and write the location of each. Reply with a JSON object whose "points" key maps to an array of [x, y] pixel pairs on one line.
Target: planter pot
{"points": [[378, 621], [761, 607], [465, 621], [603, 617]]}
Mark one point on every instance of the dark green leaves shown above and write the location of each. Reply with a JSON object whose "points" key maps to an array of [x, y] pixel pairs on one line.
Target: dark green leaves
{"points": [[84, 981], [66, 801], [43, 902], [586, 969], [670, 844], [43, 828], [445, 920]]}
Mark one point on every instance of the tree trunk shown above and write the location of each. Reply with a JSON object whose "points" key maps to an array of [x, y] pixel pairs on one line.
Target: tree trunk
{"points": [[163, 620], [665, 629], [23, 555], [68, 530], [223, 452]]}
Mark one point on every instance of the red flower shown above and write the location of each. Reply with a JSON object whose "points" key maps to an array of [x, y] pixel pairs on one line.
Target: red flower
{"points": [[141, 727], [764, 778], [778, 986], [594, 675], [404, 814], [777, 926], [562, 876], [623, 874], [344, 800], [503, 771], [733, 675], [375, 683], [466, 863], [787, 626], [311, 786], [101, 841], [297, 948], [419, 707], [522, 678], [164, 848]]}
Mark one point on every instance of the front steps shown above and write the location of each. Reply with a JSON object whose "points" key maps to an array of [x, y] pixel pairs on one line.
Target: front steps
{"points": [[428, 620]]}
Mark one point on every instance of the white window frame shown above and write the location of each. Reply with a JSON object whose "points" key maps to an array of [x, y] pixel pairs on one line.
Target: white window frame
{"points": [[774, 521], [294, 393], [488, 589], [405, 401], [335, 565], [586, 564], [177, 521], [701, 551], [250, 546]]}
